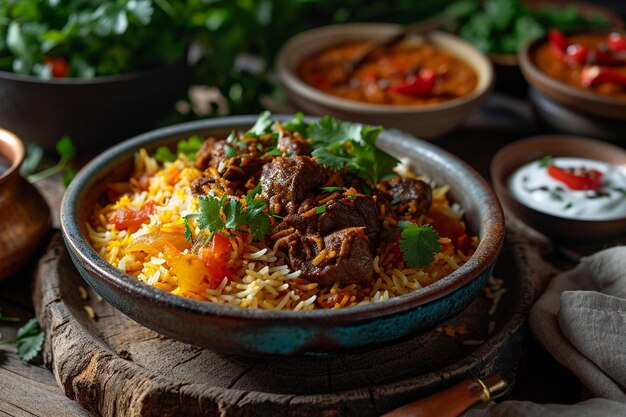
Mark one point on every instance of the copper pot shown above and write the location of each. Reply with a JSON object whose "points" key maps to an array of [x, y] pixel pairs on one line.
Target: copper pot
{"points": [[24, 215]]}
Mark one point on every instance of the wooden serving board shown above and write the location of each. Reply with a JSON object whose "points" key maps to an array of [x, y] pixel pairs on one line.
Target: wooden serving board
{"points": [[115, 367]]}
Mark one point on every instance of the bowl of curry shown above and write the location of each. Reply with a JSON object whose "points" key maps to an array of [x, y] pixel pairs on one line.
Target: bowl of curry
{"points": [[426, 85], [583, 70]]}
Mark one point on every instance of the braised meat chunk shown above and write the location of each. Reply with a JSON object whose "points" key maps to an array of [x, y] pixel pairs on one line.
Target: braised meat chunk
{"points": [[287, 181], [331, 238], [293, 144], [345, 257], [410, 196]]}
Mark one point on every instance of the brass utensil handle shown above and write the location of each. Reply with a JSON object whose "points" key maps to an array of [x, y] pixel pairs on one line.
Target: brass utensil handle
{"points": [[452, 401]]}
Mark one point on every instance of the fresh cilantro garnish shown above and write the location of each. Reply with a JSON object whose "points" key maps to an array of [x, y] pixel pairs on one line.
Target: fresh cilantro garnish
{"points": [[29, 340], [418, 244], [190, 147], [262, 124], [296, 125], [320, 209], [164, 154], [332, 189], [188, 234], [67, 151], [230, 151], [545, 161], [274, 152], [568, 206], [339, 145], [218, 214]]}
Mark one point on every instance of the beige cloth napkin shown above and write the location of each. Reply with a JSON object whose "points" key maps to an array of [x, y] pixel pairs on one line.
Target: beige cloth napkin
{"points": [[581, 320]]}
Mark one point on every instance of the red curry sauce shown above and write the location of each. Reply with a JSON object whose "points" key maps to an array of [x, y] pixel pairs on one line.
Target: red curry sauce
{"points": [[408, 74], [586, 55]]}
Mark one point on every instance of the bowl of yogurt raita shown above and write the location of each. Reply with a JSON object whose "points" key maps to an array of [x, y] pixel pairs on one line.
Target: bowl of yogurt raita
{"points": [[565, 187]]}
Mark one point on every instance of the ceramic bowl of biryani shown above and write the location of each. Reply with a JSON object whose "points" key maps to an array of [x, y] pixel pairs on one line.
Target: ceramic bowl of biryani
{"points": [[423, 85], [282, 235]]}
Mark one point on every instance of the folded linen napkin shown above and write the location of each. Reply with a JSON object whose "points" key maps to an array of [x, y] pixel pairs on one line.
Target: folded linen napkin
{"points": [[581, 320]]}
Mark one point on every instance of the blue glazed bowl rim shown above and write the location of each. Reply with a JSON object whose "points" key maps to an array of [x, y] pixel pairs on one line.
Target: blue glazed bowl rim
{"points": [[488, 249]]}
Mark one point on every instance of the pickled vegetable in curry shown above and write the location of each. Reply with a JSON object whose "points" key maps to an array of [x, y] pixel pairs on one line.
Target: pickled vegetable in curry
{"points": [[592, 61], [410, 73]]}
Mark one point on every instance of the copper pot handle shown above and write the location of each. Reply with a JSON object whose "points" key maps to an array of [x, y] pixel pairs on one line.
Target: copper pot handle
{"points": [[453, 401]]}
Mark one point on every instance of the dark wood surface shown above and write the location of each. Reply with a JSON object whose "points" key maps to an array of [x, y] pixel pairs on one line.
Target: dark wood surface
{"points": [[31, 389], [125, 369]]}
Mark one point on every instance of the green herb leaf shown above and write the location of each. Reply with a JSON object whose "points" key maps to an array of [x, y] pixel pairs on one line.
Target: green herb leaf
{"points": [[257, 219], [545, 161], [332, 189], [210, 215], [253, 193], [262, 124], [29, 340], [329, 160], [273, 152], [234, 213], [230, 151], [65, 148], [328, 130], [188, 233], [164, 154], [320, 209], [568, 206], [190, 147], [418, 244], [34, 154]]}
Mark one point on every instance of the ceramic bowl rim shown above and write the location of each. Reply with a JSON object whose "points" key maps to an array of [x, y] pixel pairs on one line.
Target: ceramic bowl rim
{"points": [[500, 185], [292, 82], [485, 255], [97, 80], [533, 73], [13, 141]]}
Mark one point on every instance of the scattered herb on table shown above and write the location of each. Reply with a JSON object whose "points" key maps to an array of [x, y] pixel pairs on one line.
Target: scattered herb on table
{"points": [[8, 319], [66, 151], [29, 340]]}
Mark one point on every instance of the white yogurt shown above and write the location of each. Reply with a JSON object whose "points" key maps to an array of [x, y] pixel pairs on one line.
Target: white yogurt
{"points": [[532, 186]]}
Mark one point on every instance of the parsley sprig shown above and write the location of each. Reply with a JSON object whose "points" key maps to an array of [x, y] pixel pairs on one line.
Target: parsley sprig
{"points": [[188, 147], [339, 145], [219, 214], [29, 340], [418, 244], [66, 150]]}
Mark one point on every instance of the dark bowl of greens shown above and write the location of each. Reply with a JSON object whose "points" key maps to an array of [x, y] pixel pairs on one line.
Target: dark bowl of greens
{"points": [[97, 71], [253, 331]]}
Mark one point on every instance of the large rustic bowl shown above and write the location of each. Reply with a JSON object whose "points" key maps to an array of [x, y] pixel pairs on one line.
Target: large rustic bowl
{"points": [[427, 121], [94, 112], [247, 331], [585, 101], [519, 153]]}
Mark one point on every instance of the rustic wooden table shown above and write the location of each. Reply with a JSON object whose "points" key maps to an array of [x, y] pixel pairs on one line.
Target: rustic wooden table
{"points": [[31, 390]]}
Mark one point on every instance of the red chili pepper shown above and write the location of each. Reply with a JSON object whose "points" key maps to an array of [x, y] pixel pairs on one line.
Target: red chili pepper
{"points": [[577, 54], [58, 66], [616, 42], [595, 75], [422, 85], [579, 178]]}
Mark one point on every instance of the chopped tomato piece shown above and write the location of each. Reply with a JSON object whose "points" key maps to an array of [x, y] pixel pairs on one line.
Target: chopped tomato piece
{"points": [[445, 225], [216, 258], [58, 66], [127, 219], [579, 178]]}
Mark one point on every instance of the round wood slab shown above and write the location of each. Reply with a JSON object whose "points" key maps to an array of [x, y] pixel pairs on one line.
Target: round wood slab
{"points": [[115, 367]]}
